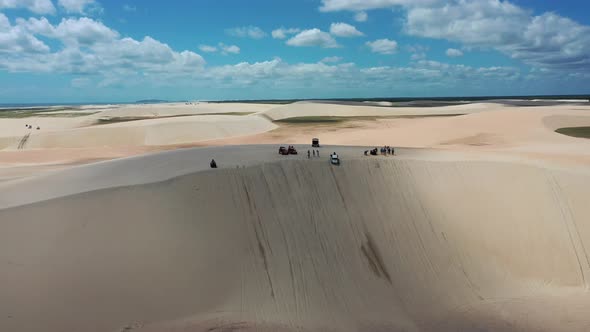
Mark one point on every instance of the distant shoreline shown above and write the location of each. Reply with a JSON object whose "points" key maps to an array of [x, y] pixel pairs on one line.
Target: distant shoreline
{"points": [[581, 98]]}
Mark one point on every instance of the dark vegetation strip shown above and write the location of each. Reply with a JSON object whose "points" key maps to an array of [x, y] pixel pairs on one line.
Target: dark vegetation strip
{"points": [[20, 113], [581, 132], [340, 119], [118, 119]]}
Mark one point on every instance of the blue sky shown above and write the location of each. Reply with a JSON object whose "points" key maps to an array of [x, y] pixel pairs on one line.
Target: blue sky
{"points": [[106, 50]]}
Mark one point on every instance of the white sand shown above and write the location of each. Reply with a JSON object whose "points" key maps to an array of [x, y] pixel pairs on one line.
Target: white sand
{"points": [[520, 131], [306, 109], [164, 131], [377, 244], [183, 109], [484, 226], [485, 125]]}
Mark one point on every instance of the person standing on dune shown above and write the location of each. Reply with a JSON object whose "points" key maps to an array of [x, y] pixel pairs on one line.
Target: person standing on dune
{"points": [[308, 154]]}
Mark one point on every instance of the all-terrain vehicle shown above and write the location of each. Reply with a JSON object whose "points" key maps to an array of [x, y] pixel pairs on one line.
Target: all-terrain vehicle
{"points": [[287, 150], [334, 159], [315, 143]]}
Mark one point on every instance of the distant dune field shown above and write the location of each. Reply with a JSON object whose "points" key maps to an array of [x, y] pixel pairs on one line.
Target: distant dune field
{"points": [[114, 221]]}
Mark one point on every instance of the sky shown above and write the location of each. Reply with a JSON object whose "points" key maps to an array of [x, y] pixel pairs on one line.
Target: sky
{"points": [[128, 50]]}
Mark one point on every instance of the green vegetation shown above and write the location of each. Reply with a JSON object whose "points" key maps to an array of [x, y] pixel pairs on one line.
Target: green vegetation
{"points": [[65, 115], [261, 101], [581, 132], [103, 121], [229, 113], [151, 101], [118, 119], [313, 119], [341, 119], [423, 116], [21, 113]]}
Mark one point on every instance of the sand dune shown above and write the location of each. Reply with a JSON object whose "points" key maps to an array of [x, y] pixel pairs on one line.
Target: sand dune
{"points": [[174, 109], [528, 132], [157, 124], [161, 243], [473, 229], [483, 125], [117, 131], [306, 109], [166, 131]]}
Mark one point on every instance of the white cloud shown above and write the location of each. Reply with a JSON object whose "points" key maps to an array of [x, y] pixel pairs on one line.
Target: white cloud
{"points": [[4, 22], [82, 31], [207, 48], [79, 6], [383, 46], [87, 47], [35, 6], [474, 22], [129, 8], [361, 17], [454, 53], [546, 40], [344, 30], [120, 62], [417, 48], [282, 33], [418, 51], [248, 31], [278, 74], [147, 55], [313, 37], [90, 49], [418, 56], [222, 48], [331, 59], [229, 49], [18, 40], [360, 5]]}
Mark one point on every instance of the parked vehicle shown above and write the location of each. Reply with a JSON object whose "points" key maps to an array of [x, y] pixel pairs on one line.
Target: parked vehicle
{"points": [[334, 159]]}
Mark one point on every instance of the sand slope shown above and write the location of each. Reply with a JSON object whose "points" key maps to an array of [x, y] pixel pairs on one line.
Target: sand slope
{"points": [[306, 109], [163, 124], [166, 131], [377, 244], [174, 109]]}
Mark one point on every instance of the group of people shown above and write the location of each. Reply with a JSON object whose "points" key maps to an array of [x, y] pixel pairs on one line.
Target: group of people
{"points": [[28, 126], [385, 150], [316, 153]]}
